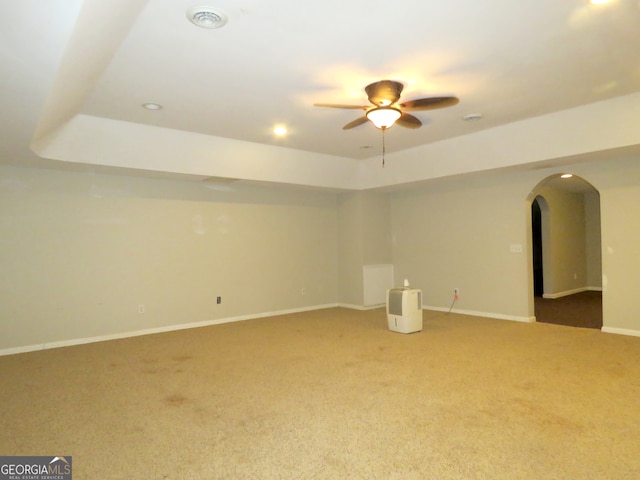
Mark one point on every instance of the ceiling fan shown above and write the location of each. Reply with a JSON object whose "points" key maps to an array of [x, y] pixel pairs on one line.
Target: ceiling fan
{"points": [[386, 111]]}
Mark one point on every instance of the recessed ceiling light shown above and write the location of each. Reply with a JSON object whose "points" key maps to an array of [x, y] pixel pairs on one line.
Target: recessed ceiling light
{"points": [[472, 117], [206, 17], [599, 2], [280, 130], [152, 106], [566, 175]]}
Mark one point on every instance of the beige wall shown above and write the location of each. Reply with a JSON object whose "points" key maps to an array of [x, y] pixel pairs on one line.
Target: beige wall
{"points": [[81, 252], [593, 240], [618, 182], [457, 233], [350, 254], [364, 239], [621, 256]]}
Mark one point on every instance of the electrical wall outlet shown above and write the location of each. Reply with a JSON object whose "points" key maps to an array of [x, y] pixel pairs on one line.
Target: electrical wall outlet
{"points": [[456, 291], [303, 291], [141, 308], [218, 300]]}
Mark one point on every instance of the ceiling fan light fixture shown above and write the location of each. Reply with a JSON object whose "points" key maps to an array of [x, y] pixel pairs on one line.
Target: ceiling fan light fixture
{"points": [[383, 117]]}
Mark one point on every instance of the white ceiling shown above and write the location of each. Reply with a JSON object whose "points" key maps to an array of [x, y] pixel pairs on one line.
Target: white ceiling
{"points": [[66, 62]]}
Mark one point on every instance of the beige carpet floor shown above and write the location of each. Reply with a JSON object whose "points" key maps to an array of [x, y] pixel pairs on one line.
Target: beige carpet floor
{"points": [[332, 394]]}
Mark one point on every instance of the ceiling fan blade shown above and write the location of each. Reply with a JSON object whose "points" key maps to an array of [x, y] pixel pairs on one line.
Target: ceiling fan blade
{"points": [[429, 103], [357, 122], [339, 105], [384, 92], [408, 121]]}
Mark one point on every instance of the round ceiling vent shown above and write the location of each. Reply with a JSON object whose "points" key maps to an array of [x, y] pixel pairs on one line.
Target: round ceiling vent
{"points": [[206, 17]]}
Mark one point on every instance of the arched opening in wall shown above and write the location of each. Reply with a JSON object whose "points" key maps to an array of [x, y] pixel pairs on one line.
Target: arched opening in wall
{"points": [[566, 253]]}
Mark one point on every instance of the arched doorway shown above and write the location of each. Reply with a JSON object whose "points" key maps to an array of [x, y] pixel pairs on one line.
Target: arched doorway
{"points": [[566, 252]]}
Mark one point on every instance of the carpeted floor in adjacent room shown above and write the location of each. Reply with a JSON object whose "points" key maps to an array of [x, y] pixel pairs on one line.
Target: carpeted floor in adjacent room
{"points": [[333, 394], [583, 310]]}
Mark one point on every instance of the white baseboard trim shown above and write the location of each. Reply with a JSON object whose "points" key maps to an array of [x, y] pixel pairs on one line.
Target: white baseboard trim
{"points": [[360, 307], [621, 331], [150, 331], [170, 328], [571, 292], [499, 316]]}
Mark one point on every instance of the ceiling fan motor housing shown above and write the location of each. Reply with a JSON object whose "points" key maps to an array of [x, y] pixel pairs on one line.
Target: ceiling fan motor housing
{"points": [[384, 92]]}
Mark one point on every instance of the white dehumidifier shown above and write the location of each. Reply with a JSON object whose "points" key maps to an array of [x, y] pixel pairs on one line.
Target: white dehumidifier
{"points": [[404, 310]]}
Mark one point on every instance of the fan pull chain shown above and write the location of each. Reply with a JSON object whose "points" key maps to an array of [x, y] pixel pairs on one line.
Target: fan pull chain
{"points": [[383, 146]]}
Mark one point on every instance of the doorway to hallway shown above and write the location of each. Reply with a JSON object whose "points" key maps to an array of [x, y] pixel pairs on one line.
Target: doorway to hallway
{"points": [[566, 253]]}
